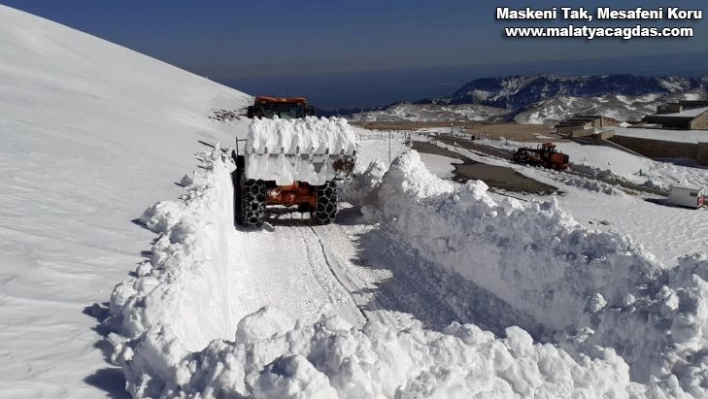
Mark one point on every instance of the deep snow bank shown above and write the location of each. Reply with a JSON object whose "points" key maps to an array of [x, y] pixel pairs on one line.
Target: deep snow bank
{"points": [[178, 341], [181, 298], [598, 288], [312, 140], [535, 258], [330, 359]]}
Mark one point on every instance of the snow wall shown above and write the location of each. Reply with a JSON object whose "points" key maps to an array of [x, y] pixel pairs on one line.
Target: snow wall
{"points": [[590, 294], [583, 288], [181, 297]]}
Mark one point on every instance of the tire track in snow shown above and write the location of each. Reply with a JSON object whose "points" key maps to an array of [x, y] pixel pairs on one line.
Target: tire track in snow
{"points": [[347, 287], [285, 266], [335, 290], [404, 289]]}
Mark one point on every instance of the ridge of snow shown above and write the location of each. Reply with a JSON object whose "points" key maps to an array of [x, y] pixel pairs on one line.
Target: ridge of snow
{"points": [[539, 261], [165, 307]]}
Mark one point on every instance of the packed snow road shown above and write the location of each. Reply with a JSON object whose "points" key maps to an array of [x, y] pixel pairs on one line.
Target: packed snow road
{"points": [[348, 269], [293, 271]]}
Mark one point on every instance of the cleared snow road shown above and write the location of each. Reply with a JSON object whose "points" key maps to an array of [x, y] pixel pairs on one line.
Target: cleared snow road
{"points": [[354, 271], [285, 266]]}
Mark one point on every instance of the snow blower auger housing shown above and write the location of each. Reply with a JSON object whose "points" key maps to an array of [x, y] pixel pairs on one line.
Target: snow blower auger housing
{"points": [[290, 158]]}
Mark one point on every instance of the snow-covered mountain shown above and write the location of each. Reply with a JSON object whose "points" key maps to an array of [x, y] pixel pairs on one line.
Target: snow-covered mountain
{"points": [[550, 98], [616, 106], [518, 92], [90, 134], [430, 113]]}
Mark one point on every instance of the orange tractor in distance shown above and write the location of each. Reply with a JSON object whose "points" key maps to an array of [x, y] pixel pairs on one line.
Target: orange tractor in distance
{"points": [[545, 156], [284, 108], [315, 193]]}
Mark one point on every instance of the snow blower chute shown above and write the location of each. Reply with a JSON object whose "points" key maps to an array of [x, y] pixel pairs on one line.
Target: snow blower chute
{"points": [[291, 158]]}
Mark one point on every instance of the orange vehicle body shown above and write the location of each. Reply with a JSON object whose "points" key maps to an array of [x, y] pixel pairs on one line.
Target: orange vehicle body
{"points": [[294, 194], [545, 156]]}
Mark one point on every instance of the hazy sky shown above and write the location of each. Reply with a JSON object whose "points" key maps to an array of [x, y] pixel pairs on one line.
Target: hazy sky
{"points": [[236, 38]]}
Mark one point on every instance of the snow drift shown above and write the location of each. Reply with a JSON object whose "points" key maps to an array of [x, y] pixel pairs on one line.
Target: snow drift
{"points": [[181, 298], [330, 359], [297, 150], [594, 294], [536, 258], [598, 288]]}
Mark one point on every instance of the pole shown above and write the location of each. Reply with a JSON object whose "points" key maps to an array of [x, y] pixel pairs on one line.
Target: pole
{"points": [[389, 147]]}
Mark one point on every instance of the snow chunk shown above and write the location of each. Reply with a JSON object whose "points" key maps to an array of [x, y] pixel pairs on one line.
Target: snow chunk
{"points": [[297, 150], [162, 216], [293, 377], [268, 322], [358, 191]]}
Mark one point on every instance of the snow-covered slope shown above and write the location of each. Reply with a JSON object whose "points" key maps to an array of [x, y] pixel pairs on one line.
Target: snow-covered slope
{"points": [[90, 134]]}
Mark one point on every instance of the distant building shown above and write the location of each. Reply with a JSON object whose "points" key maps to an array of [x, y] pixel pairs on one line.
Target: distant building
{"points": [[584, 125], [678, 130], [682, 115]]}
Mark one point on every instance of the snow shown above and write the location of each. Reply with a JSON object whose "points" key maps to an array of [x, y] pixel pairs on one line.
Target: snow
{"points": [[692, 96], [92, 133], [611, 162], [675, 136], [297, 150], [424, 287], [469, 233], [670, 232], [598, 280], [359, 191], [379, 145], [334, 362]]}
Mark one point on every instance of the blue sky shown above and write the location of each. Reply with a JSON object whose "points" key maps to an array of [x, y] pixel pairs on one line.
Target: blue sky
{"points": [[244, 41], [277, 37]]}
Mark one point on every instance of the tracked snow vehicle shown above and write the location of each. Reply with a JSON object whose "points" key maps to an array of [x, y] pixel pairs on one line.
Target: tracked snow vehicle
{"points": [[290, 159]]}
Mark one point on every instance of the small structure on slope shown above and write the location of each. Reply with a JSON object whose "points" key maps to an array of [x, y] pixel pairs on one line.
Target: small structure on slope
{"points": [[691, 197]]}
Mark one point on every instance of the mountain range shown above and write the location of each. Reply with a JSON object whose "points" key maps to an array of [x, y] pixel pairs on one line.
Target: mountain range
{"points": [[546, 99]]}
